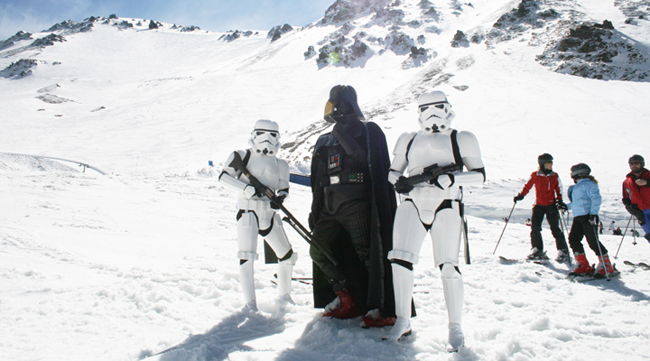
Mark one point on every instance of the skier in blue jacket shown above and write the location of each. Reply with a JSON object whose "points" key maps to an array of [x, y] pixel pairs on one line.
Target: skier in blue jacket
{"points": [[585, 204]]}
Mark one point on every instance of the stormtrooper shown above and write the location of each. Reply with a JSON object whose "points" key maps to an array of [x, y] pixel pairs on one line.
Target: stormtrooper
{"points": [[256, 211], [433, 206]]}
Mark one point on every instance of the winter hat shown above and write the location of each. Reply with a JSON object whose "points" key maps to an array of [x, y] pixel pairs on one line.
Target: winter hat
{"points": [[636, 158]]}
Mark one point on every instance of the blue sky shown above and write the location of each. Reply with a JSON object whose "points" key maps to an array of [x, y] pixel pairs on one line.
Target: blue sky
{"points": [[214, 15]]}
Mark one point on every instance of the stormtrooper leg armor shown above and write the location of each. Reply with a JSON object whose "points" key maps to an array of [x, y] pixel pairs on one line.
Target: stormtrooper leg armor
{"points": [[446, 235], [247, 229], [278, 241], [408, 235]]}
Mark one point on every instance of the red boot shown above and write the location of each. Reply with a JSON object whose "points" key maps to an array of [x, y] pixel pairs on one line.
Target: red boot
{"points": [[604, 268], [346, 307], [375, 319], [583, 268]]}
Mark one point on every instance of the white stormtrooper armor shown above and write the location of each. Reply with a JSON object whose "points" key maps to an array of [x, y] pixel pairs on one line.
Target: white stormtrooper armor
{"points": [[255, 213], [432, 207]]}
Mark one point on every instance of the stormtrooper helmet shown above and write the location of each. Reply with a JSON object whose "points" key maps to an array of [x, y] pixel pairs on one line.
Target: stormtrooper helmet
{"points": [[435, 112], [265, 137]]}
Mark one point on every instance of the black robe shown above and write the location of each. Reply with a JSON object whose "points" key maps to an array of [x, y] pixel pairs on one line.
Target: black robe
{"points": [[374, 288]]}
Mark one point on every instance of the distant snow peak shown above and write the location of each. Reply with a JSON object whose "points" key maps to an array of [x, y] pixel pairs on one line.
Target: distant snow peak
{"points": [[277, 31], [234, 35], [345, 10], [19, 36]]}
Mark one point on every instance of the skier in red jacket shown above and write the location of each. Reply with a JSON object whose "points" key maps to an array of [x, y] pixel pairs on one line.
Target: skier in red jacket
{"points": [[548, 191], [636, 192]]}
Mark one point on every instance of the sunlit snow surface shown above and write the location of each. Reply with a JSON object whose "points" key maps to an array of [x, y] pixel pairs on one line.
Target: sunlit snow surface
{"points": [[125, 265]]}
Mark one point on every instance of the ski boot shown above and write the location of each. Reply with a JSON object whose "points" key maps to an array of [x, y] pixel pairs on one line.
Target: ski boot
{"points": [[537, 255], [582, 267], [562, 256], [604, 268], [343, 307]]}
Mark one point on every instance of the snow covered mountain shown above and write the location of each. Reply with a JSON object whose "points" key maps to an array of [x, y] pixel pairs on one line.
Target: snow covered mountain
{"points": [[142, 257]]}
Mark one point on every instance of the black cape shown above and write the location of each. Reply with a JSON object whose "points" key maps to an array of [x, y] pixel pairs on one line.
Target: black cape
{"points": [[374, 288]]}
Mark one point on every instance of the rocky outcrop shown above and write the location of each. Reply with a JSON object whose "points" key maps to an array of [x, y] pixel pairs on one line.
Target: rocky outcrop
{"points": [[597, 51]]}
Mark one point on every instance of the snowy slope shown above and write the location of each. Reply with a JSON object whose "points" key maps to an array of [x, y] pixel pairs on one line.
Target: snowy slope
{"points": [[122, 266]]}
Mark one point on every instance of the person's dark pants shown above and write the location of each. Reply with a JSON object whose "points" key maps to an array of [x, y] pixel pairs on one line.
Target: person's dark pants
{"points": [[582, 228], [354, 218], [553, 219]]}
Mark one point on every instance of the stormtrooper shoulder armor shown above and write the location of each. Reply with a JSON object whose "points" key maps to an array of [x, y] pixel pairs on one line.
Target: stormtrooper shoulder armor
{"points": [[401, 147]]}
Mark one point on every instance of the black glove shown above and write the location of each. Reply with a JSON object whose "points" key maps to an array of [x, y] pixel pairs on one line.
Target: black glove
{"points": [[636, 212], [402, 186], [277, 201], [437, 184], [518, 198], [593, 219], [561, 205]]}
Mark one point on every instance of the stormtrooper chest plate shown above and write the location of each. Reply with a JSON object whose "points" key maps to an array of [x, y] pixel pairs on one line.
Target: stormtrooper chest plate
{"points": [[428, 149], [265, 169]]}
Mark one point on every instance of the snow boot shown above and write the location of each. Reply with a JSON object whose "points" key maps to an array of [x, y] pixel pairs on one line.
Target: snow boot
{"points": [[562, 256], [401, 328], [604, 268], [536, 255], [582, 267], [344, 306], [374, 319]]}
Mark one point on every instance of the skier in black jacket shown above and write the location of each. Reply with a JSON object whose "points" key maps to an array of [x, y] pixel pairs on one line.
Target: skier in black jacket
{"points": [[352, 215]]}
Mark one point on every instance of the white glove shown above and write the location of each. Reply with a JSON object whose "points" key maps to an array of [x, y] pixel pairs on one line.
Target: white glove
{"points": [[249, 191]]}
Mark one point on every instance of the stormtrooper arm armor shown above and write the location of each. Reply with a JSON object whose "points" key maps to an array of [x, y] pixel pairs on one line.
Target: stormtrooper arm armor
{"points": [[230, 177], [399, 164], [283, 181], [471, 154]]}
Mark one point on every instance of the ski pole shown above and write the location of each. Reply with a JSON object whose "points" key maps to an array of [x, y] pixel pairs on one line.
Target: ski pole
{"points": [[600, 250], [624, 233], [504, 228], [564, 226]]}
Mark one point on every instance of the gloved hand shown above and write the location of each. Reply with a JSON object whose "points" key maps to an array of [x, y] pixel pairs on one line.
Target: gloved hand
{"points": [[402, 186], [250, 191], [636, 212], [561, 205], [277, 201], [311, 221], [443, 181], [593, 219], [518, 198]]}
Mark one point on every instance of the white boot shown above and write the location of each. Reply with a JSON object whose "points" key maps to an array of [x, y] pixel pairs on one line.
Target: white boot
{"points": [[247, 283], [456, 338], [403, 285], [401, 329], [452, 285]]}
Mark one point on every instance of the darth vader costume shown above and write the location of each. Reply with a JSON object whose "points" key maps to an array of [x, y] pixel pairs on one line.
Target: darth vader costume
{"points": [[352, 215]]}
